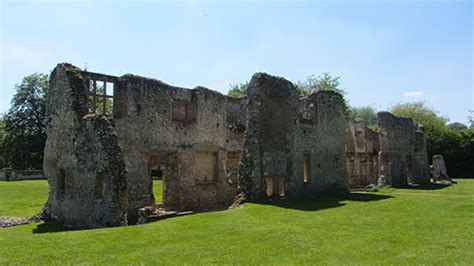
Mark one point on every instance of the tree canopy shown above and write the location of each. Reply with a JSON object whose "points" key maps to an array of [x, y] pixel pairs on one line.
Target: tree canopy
{"points": [[24, 124], [456, 126], [321, 82], [365, 114], [238, 90]]}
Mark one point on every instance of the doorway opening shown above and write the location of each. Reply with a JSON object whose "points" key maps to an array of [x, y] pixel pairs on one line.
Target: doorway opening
{"points": [[275, 186]]}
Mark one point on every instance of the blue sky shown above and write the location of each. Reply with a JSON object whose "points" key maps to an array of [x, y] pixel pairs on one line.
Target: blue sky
{"points": [[385, 52]]}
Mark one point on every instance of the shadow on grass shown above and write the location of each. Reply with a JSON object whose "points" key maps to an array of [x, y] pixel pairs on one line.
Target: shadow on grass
{"points": [[325, 202], [51, 228], [429, 186]]}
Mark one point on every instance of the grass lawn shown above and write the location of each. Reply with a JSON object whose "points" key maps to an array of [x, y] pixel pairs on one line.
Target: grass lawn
{"points": [[419, 225]]}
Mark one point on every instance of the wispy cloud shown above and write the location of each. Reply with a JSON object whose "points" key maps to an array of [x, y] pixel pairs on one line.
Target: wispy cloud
{"points": [[413, 94]]}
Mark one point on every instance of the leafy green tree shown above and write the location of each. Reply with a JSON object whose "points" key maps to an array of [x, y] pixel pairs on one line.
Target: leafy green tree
{"points": [[238, 90], [456, 126], [322, 82], [25, 130], [365, 114], [420, 113]]}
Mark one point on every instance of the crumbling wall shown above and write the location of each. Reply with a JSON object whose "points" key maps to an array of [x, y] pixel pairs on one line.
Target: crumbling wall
{"points": [[422, 173], [267, 152], [292, 147], [321, 139], [193, 136], [398, 141], [362, 148], [83, 161], [438, 171]]}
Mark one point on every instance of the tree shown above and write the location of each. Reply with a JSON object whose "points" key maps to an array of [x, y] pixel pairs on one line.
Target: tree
{"points": [[456, 126], [322, 82], [25, 129], [420, 113], [238, 90], [365, 114]]}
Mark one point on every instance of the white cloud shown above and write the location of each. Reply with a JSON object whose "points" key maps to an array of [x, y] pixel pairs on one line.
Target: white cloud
{"points": [[413, 94]]}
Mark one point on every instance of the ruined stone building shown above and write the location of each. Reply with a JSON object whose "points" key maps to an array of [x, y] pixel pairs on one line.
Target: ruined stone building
{"points": [[397, 151], [209, 148], [403, 155], [99, 169], [362, 149], [293, 146]]}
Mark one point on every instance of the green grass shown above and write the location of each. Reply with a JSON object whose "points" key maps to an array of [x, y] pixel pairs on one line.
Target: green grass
{"points": [[420, 225], [157, 190]]}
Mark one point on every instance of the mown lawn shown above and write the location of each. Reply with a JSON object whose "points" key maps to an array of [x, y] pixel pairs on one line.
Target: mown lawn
{"points": [[419, 225]]}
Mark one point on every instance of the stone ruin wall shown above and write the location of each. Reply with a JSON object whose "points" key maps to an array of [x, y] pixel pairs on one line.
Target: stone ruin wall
{"points": [[271, 142], [83, 160], [99, 169], [293, 147], [422, 172], [403, 157], [193, 136], [362, 150]]}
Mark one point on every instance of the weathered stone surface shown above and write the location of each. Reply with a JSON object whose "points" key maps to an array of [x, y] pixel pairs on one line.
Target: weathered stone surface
{"points": [[402, 150], [83, 161], [211, 150], [99, 169], [193, 136], [362, 148], [439, 174], [7, 221], [283, 134]]}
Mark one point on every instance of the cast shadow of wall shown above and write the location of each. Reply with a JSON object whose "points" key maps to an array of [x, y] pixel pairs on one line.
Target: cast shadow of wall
{"points": [[323, 202], [428, 186]]}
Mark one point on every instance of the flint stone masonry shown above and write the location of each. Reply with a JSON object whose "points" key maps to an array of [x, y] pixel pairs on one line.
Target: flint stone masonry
{"points": [[99, 168], [438, 170], [403, 157], [193, 136], [281, 131], [83, 161], [211, 151], [362, 149]]}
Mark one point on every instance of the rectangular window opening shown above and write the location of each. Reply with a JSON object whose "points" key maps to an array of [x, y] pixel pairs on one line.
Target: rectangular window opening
{"points": [[281, 186], [100, 95], [269, 183], [306, 168]]}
